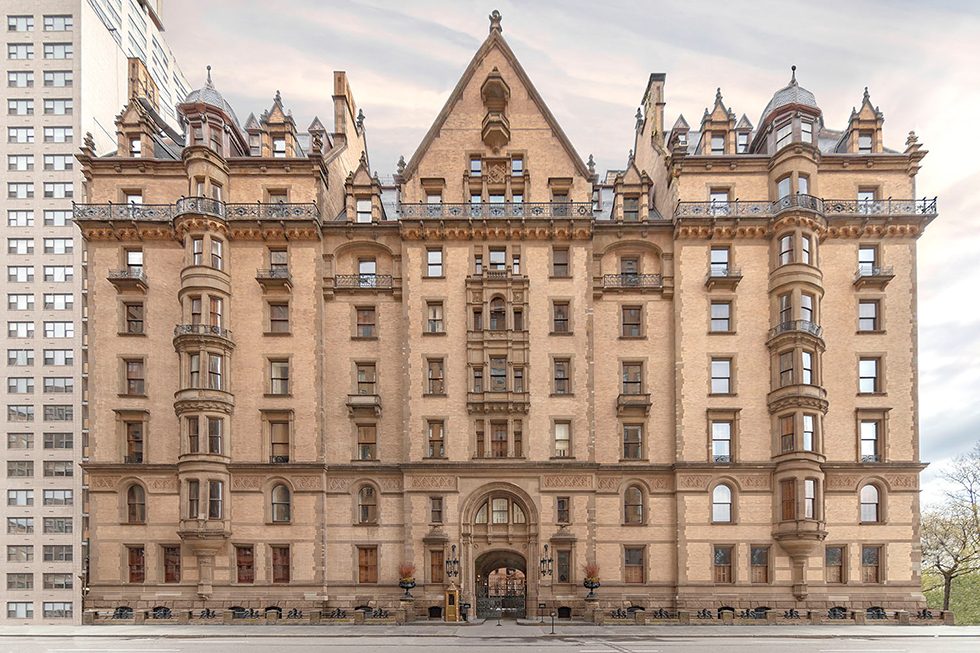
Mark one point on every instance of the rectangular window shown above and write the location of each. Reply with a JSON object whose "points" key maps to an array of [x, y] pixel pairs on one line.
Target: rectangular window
{"points": [[869, 381], [22, 79], [279, 441], [867, 260], [279, 377], [367, 564], [632, 378], [865, 143], [20, 468], [721, 317], [787, 495], [20, 610], [20, 553], [721, 441], [871, 564], [20, 525], [743, 142], [717, 143], [633, 441], [478, 379], [435, 371], [721, 376], [434, 321], [217, 253], [280, 564], [20, 581], [562, 375], [787, 433], [59, 440], [563, 439], [20, 219], [809, 498], [215, 499], [760, 564], [366, 317], [719, 265], [633, 567], [559, 262], [367, 442], [437, 569], [57, 610], [868, 315], [632, 321], [563, 510], [786, 368], [631, 209], [869, 441], [437, 438], [58, 23], [59, 497], [786, 249], [134, 318], [245, 564], [366, 379], [171, 564], [193, 499], [58, 78], [476, 166], [20, 162], [784, 187], [58, 525], [193, 434], [363, 209], [215, 435], [784, 133], [560, 315], [808, 430], [279, 318], [58, 468], [834, 564], [20, 23], [723, 572], [518, 379], [135, 377], [498, 374], [806, 358], [435, 510], [137, 564], [58, 51], [434, 263], [498, 439], [563, 565], [216, 371]]}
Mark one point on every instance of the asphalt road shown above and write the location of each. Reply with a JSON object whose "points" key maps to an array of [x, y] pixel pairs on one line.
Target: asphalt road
{"points": [[490, 644]]}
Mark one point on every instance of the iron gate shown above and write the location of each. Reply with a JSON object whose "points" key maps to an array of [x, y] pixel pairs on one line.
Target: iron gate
{"points": [[509, 605]]}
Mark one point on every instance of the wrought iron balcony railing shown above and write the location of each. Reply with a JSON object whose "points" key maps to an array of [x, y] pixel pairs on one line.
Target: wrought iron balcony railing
{"points": [[363, 281], [873, 271], [278, 460], [723, 272], [133, 458], [827, 207], [110, 211], [132, 273], [273, 273], [199, 205], [497, 210], [806, 326], [202, 330], [272, 211], [629, 280]]}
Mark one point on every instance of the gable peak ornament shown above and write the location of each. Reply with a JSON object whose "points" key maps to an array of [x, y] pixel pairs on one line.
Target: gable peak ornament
{"points": [[495, 22], [401, 164], [591, 165], [360, 118]]}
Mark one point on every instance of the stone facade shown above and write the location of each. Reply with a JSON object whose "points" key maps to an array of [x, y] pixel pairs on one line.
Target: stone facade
{"points": [[500, 362]]}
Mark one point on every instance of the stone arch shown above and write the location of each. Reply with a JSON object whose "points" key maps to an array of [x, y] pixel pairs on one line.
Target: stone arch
{"points": [[473, 502]]}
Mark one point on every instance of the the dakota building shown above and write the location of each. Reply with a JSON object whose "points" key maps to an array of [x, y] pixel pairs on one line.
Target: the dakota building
{"points": [[697, 372]]}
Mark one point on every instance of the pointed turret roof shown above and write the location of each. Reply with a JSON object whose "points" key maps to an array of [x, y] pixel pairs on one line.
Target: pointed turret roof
{"points": [[494, 40], [792, 93], [208, 94]]}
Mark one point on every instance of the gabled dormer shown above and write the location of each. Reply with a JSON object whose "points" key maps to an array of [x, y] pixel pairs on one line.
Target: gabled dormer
{"points": [[633, 194], [319, 138], [254, 131], [134, 131], [743, 135], [279, 132], [717, 129], [362, 192], [863, 135], [679, 134]]}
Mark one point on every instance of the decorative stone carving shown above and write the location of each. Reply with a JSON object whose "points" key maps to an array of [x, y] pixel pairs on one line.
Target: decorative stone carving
{"points": [[390, 484], [609, 483], [903, 481], [338, 485], [163, 484], [246, 482], [306, 482], [104, 482], [755, 481], [434, 482], [842, 481], [694, 481], [583, 481]]}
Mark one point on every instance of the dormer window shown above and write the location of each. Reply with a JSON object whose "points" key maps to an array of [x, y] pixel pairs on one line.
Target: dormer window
{"points": [[743, 142], [254, 144], [717, 143], [864, 142], [682, 138], [364, 210], [279, 148], [783, 134], [517, 167], [631, 209], [135, 148], [806, 131], [476, 167], [216, 140]]}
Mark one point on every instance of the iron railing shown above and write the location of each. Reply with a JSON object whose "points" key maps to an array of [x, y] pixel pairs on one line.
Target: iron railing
{"points": [[865, 271], [272, 211], [363, 281], [497, 210], [628, 280], [273, 273], [827, 207], [806, 326], [131, 273], [202, 330], [723, 272], [199, 206], [278, 460], [110, 211]]}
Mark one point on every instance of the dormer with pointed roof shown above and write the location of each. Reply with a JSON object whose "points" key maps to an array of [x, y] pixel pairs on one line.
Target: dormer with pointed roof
{"points": [[362, 195], [494, 139], [633, 190], [212, 122], [278, 137], [717, 129], [679, 134], [791, 116], [743, 135], [863, 134]]}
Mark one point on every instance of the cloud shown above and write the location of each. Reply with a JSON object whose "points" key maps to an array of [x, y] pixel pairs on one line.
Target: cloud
{"points": [[591, 63]]}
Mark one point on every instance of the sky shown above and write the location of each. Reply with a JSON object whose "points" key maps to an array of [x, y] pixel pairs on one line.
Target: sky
{"points": [[591, 61]]}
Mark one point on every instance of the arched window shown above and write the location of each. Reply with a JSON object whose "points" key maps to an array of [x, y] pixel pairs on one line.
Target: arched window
{"points": [[280, 504], [721, 504], [500, 510], [367, 505], [633, 505], [136, 504], [498, 315], [870, 505]]}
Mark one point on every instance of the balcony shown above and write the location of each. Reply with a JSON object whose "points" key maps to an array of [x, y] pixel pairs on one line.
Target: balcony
{"points": [[219, 336], [133, 459], [364, 405], [873, 276], [798, 395], [797, 326], [632, 282], [279, 460], [496, 129], [496, 211], [363, 282], [633, 404], [925, 207], [199, 206], [204, 529], [130, 278], [799, 537], [722, 277], [111, 212], [274, 278], [196, 205], [501, 402]]}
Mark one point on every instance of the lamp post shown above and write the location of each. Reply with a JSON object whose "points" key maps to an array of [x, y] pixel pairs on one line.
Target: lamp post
{"points": [[546, 564], [452, 563]]}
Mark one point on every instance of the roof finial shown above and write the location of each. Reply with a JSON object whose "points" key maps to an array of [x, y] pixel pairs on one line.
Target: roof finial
{"points": [[209, 75], [495, 22], [360, 119], [639, 118], [867, 96], [630, 158], [591, 165], [793, 78], [718, 94], [401, 164], [278, 98]]}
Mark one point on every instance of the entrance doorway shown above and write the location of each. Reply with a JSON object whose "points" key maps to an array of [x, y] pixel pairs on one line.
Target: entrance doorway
{"points": [[501, 585]]}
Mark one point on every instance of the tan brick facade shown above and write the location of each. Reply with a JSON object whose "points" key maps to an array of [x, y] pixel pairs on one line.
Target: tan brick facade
{"points": [[514, 366]]}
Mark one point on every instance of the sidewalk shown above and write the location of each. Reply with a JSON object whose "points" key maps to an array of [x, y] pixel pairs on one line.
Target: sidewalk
{"points": [[488, 629]]}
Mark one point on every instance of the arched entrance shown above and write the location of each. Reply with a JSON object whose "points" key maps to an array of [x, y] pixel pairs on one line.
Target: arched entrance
{"points": [[501, 584]]}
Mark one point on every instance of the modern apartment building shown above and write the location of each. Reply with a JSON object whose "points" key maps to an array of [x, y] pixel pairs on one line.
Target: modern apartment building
{"points": [[697, 375], [69, 67]]}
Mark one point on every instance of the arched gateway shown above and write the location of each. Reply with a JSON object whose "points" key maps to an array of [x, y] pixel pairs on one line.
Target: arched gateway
{"points": [[499, 538]]}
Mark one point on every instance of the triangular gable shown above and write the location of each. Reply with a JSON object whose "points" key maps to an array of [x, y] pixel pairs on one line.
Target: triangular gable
{"points": [[494, 40]]}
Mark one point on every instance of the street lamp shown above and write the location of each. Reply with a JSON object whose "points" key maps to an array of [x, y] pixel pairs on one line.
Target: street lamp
{"points": [[452, 563], [546, 564]]}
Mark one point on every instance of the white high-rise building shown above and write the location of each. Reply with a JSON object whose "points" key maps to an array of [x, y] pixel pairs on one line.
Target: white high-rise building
{"points": [[69, 66]]}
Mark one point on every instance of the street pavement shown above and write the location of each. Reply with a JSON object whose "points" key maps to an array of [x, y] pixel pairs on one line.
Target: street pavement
{"points": [[490, 638]]}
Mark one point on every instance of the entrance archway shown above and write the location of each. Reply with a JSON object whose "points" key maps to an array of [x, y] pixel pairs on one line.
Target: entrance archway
{"points": [[501, 584]]}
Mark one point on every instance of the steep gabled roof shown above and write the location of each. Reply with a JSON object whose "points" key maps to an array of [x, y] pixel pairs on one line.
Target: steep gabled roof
{"points": [[494, 40]]}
